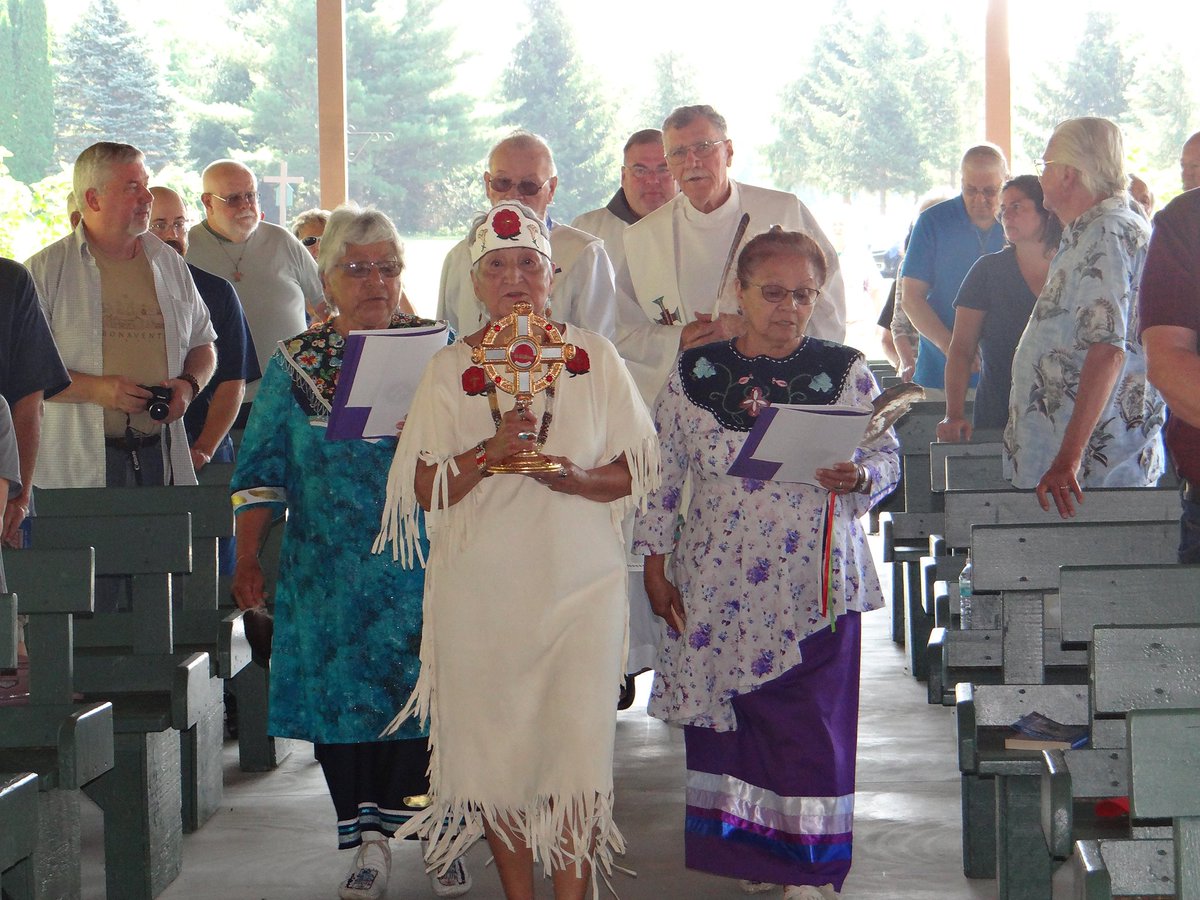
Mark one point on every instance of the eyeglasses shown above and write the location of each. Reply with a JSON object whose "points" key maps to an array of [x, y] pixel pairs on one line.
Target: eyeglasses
{"points": [[524, 188], [1039, 165], [311, 239], [989, 194], [162, 226], [388, 268], [700, 150], [643, 172], [775, 293], [1012, 208], [250, 198]]}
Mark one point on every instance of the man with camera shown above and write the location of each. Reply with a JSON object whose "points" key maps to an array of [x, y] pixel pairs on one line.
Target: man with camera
{"points": [[132, 330]]}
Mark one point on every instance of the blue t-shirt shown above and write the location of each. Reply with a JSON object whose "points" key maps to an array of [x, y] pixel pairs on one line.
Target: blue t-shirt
{"points": [[29, 359], [236, 358], [945, 244], [996, 287]]}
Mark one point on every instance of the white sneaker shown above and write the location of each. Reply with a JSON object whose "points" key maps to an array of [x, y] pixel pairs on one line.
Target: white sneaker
{"points": [[756, 887], [454, 883], [368, 876]]}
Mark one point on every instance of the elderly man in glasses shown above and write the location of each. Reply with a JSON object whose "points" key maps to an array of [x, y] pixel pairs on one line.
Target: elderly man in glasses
{"points": [[646, 184], [674, 286], [521, 167], [946, 241], [275, 276]]}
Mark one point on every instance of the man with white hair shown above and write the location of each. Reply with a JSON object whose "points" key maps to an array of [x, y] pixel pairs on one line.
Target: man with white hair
{"points": [[673, 293], [1081, 413], [521, 167], [275, 277], [646, 184], [126, 317]]}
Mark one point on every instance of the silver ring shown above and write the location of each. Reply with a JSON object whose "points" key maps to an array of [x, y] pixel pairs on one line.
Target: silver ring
{"points": [[562, 473], [526, 436]]}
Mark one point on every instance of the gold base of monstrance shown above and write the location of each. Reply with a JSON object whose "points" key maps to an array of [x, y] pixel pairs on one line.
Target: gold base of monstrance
{"points": [[523, 354]]}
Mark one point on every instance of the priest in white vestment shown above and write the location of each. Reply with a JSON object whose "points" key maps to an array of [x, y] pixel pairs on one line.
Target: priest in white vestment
{"points": [[646, 184], [674, 288], [521, 167]]}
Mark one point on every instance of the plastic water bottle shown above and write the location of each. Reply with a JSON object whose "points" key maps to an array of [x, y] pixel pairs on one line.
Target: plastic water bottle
{"points": [[964, 592]]}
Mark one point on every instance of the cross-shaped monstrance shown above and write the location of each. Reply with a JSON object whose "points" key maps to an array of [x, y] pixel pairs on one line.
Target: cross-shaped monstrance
{"points": [[533, 358], [523, 354]]}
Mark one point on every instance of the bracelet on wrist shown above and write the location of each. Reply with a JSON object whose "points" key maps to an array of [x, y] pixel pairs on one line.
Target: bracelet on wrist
{"points": [[191, 379], [861, 481], [481, 459]]}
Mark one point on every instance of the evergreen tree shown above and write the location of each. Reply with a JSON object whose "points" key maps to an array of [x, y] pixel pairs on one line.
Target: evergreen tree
{"points": [[674, 86], [1168, 104], [409, 130], [404, 86], [872, 112], [1097, 81], [552, 95], [27, 103], [108, 89]]}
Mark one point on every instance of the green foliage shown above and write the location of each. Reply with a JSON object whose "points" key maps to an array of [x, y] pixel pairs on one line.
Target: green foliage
{"points": [[1098, 80], [108, 89], [410, 132], [872, 111], [27, 100], [674, 86], [31, 216], [553, 96]]}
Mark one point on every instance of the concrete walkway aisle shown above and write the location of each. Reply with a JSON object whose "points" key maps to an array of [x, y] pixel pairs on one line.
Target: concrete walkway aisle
{"points": [[273, 839]]}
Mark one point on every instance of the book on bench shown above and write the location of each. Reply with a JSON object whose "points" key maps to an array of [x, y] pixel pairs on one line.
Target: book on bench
{"points": [[1035, 731]]}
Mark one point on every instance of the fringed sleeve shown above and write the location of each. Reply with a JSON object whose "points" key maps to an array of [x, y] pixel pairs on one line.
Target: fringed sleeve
{"points": [[630, 431]]}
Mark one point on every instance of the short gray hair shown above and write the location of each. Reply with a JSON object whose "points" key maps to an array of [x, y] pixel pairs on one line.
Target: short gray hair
{"points": [[308, 217], [525, 140], [986, 155], [351, 224], [1093, 147], [683, 116], [93, 167]]}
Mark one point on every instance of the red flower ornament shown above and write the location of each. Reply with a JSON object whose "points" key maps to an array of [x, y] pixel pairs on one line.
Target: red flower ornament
{"points": [[506, 224], [475, 382], [756, 401], [579, 364]]}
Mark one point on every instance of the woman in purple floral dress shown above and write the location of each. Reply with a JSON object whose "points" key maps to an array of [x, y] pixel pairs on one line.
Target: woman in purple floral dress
{"points": [[760, 662]]}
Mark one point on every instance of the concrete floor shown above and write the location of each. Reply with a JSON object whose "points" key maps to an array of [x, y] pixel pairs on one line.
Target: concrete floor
{"points": [[273, 837]]}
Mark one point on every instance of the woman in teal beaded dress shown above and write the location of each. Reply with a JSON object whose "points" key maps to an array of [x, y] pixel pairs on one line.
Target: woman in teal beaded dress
{"points": [[347, 622]]}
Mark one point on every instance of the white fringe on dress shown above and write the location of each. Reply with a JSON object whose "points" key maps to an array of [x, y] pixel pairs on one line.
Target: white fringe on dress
{"points": [[562, 829]]}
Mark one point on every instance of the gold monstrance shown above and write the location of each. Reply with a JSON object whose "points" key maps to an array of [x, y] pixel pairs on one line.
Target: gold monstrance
{"points": [[523, 354]]}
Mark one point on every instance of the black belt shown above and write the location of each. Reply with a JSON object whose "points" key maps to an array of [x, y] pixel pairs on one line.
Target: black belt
{"points": [[130, 444], [1189, 490]]}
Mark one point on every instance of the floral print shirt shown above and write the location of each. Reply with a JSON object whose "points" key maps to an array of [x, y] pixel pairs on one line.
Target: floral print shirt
{"points": [[746, 555], [1090, 297]]}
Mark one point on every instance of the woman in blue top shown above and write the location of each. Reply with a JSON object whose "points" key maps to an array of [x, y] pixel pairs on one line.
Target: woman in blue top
{"points": [[992, 307], [347, 622]]}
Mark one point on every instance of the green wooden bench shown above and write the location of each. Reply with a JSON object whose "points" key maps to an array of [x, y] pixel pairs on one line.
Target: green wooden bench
{"points": [[8, 631], [1000, 786], [1162, 740], [18, 834], [68, 744], [1073, 781], [167, 703], [1016, 567]]}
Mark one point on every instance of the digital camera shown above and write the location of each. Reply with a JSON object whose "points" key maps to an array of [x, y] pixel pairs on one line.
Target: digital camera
{"points": [[159, 404]]}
